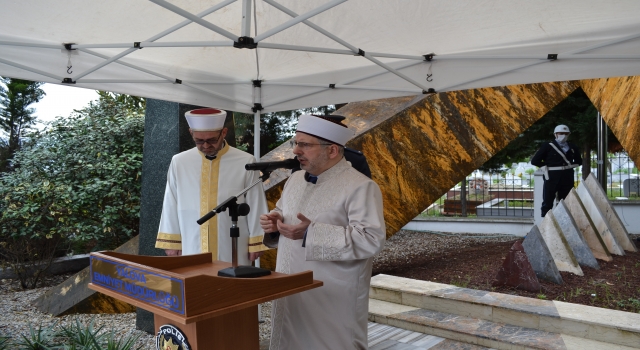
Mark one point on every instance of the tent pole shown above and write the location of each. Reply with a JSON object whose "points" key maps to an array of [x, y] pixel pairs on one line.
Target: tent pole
{"points": [[256, 135], [32, 70], [355, 80], [194, 18], [601, 45], [172, 80], [450, 87], [156, 37], [257, 99], [602, 152], [42, 46], [343, 86], [187, 22], [305, 48], [355, 50], [314, 26], [246, 18], [296, 20]]}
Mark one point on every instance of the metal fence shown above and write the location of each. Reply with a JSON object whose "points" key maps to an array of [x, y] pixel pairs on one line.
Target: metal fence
{"points": [[498, 194], [622, 176], [510, 192]]}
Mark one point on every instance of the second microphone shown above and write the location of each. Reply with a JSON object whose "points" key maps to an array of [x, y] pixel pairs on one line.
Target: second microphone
{"points": [[292, 163]]}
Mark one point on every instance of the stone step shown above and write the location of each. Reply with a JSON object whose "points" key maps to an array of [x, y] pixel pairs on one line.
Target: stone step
{"points": [[476, 333], [571, 320], [385, 337]]}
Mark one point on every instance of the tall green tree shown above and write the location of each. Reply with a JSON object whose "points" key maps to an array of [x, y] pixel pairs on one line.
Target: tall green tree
{"points": [[577, 112], [275, 128], [16, 117], [132, 103]]}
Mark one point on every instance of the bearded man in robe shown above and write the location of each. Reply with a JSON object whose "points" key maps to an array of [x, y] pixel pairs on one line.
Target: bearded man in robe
{"points": [[198, 180], [328, 220]]}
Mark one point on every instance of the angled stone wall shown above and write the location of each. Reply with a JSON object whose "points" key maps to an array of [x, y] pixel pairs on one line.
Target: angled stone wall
{"points": [[420, 147], [618, 101]]}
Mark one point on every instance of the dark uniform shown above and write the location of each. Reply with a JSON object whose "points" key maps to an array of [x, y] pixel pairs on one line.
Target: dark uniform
{"points": [[559, 181], [357, 160]]}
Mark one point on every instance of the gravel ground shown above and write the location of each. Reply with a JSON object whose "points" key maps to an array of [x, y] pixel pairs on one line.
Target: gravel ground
{"points": [[406, 246], [17, 312]]}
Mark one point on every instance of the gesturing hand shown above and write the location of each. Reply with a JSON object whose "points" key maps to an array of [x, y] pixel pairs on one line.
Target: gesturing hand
{"points": [[269, 222], [294, 231]]}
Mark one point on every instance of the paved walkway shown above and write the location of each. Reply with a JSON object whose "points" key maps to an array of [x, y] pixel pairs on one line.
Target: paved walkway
{"points": [[383, 337]]}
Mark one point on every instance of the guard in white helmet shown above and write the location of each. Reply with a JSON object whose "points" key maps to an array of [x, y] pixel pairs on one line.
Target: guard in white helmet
{"points": [[557, 159]]}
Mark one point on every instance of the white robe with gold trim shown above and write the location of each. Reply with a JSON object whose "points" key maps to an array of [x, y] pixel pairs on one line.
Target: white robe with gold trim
{"points": [[347, 230], [195, 185]]}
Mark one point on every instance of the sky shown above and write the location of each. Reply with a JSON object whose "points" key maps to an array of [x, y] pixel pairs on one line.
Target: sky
{"points": [[62, 100]]}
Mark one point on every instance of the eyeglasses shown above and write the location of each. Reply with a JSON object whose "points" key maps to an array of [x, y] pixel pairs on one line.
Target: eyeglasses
{"points": [[211, 141], [305, 145]]}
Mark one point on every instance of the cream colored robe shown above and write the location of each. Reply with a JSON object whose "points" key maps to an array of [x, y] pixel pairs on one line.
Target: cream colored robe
{"points": [[347, 230], [195, 185]]}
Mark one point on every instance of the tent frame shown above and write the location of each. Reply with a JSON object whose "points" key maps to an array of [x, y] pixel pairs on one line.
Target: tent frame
{"points": [[246, 41]]}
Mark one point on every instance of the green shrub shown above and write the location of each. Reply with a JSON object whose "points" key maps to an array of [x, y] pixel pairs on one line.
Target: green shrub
{"points": [[80, 178], [75, 188]]}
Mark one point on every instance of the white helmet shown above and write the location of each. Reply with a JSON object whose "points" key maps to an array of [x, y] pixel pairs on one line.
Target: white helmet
{"points": [[561, 128]]}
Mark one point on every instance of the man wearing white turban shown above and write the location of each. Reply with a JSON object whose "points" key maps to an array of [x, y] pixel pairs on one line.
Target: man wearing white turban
{"points": [[198, 180], [329, 220]]}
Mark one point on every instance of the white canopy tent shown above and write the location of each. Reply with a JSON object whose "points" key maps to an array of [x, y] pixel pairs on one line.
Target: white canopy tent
{"points": [[258, 56]]}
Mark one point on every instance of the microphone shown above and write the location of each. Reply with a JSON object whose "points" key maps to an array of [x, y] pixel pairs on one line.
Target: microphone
{"points": [[292, 163]]}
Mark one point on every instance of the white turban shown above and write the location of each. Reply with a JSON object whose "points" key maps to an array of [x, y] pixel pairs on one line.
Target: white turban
{"points": [[330, 131], [206, 119]]}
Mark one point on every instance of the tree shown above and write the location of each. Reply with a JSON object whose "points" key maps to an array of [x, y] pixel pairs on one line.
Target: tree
{"points": [[577, 112], [15, 115], [132, 103], [76, 183], [275, 128]]}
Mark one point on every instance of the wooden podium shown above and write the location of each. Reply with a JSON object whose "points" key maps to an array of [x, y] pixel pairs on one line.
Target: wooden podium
{"points": [[185, 292]]}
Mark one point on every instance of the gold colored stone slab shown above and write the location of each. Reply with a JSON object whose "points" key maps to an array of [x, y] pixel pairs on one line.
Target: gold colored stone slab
{"points": [[618, 100], [420, 147]]}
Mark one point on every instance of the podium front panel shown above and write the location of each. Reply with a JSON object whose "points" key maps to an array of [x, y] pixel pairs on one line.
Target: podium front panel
{"points": [[150, 287]]}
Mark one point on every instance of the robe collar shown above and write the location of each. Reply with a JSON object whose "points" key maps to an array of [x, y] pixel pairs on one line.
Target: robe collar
{"points": [[220, 153]]}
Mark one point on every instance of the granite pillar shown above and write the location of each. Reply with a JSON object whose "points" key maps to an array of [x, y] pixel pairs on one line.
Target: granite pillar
{"points": [[540, 257], [586, 226], [599, 222], [573, 236], [609, 214], [558, 245]]}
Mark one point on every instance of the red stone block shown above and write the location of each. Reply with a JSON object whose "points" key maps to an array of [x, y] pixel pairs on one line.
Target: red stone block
{"points": [[516, 271]]}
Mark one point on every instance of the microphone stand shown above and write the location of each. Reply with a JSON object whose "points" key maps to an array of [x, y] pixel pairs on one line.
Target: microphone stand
{"points": [[236, 210]]}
